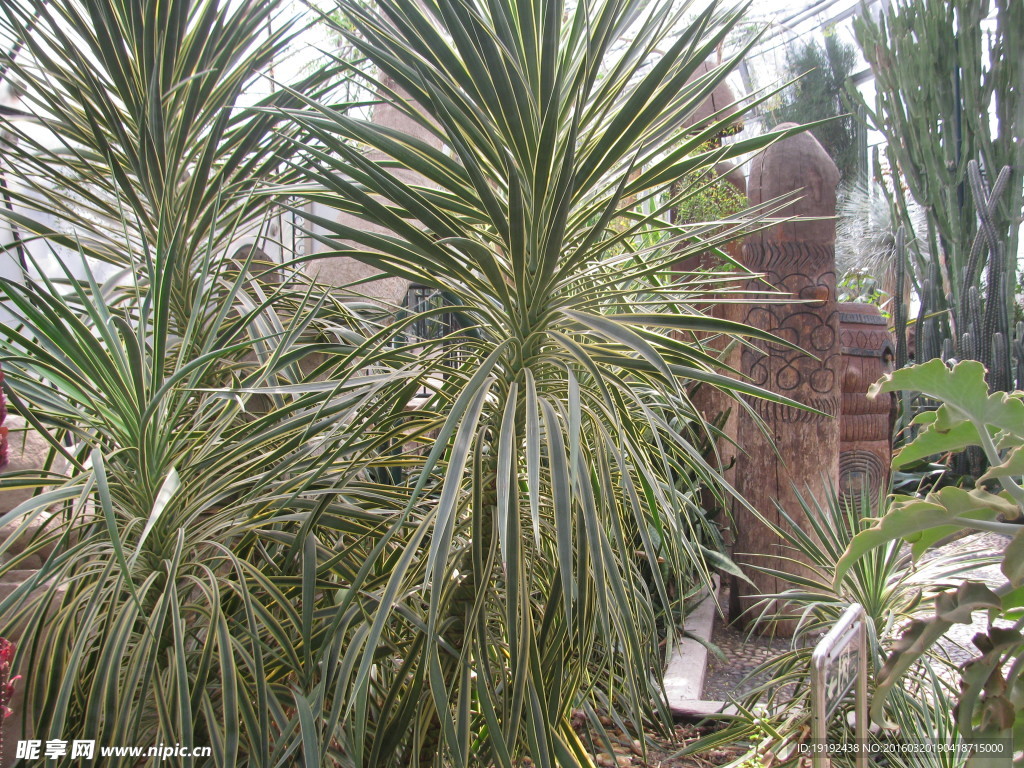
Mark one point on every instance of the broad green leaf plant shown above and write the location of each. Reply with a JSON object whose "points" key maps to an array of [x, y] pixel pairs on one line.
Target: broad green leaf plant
{"points": [[990, 704], [550, 487], [775, 715]]}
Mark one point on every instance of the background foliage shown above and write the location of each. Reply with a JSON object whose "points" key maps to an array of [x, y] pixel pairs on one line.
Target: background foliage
{"points": [[820, 94]]}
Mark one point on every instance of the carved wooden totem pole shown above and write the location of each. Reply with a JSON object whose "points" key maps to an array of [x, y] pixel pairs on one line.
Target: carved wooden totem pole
{"points": [[798, 259], [865, 425]]}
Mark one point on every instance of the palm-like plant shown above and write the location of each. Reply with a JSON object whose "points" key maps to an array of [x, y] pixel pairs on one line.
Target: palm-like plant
{"points": [[354, 616], [554, 475], [149, 134], [214, 515], [199, 547]]}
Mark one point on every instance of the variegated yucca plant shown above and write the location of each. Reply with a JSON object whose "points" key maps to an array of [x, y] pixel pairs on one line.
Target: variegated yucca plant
{"points": [[561, 468], [255, 539], [189, 559]]}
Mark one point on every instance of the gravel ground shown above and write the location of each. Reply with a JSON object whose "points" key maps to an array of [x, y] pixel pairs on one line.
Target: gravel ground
{"points": [[623, 752], [729, 677], [957, 641]]}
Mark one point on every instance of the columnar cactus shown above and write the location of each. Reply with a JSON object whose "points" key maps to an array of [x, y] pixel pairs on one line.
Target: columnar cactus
{"points": [[948, 103], [1017, 353], [899, 309]]}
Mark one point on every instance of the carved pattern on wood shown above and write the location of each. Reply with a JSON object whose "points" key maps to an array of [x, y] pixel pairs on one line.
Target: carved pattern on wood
{"points": [[865, 426], [792, 451], [803, 271], [857, 403], [861, 471], [859, 318], [788, 414], [874, 342]]}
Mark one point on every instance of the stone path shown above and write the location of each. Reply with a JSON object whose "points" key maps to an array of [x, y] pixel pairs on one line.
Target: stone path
{"points": [[729, 678]]}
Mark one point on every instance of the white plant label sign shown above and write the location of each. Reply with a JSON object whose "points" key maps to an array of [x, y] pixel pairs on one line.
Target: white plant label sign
{"points": [[839, 665]]}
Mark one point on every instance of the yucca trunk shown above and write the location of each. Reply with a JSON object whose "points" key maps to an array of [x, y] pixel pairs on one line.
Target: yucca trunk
{"points": [[472, 588], [476, 590]]}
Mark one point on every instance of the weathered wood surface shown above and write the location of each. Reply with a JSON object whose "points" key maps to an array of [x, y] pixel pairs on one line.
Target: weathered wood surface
{"points": [[865, 424], [798, 259]]}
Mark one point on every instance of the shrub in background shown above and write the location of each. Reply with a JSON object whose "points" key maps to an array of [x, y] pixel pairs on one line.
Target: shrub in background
{"points": [[820, 94]]}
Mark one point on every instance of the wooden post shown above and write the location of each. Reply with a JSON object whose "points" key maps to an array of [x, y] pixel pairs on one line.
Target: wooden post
{"points": [[865, 425], [802, 455]]}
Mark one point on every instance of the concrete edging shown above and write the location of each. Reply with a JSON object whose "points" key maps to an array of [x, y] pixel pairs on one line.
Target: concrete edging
{"points": [[687, 666]]}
